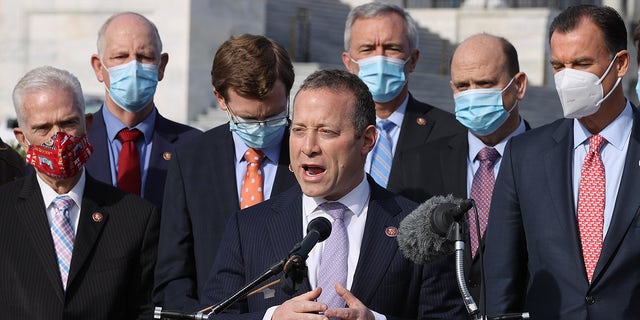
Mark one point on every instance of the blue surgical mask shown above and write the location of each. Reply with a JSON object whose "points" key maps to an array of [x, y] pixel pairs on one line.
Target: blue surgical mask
{"points": [[383, 75], [481, 110], [133, 84], [259, 134]]}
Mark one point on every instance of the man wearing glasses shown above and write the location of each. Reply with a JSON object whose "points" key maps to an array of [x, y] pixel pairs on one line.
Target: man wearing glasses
{"points": [[230, 167]]}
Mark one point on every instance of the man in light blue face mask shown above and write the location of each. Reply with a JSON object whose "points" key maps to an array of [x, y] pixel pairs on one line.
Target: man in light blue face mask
{"points": [[230, 167], [487, 85], [132, 141], [381, 47]]}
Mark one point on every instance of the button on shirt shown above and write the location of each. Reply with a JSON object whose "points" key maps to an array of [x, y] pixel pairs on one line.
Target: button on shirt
{"points": [[269, 164], [48, 194], [114, 125], [613, 154]]}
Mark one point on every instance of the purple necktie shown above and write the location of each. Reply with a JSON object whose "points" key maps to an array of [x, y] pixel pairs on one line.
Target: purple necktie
{"points": [[333, 266], [62, 235], [481, 192]]}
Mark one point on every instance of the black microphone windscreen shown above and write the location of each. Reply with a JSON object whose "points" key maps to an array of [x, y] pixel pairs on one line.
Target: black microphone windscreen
{"points": [[416, 236], [322, 226]]}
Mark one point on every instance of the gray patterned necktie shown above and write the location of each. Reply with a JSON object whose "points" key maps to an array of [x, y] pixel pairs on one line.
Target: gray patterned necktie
{"points": [[333, 266]]}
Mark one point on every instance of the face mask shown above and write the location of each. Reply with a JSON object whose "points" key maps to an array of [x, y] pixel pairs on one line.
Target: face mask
{"points": [[133, 84], [383, 75], [481, 110], [259, 134], [581, 92], [61, 157]]}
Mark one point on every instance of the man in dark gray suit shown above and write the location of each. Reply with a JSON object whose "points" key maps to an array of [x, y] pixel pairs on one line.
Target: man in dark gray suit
{"points": [[381, 47], [358, 272], [72, 247], [251, 76]]}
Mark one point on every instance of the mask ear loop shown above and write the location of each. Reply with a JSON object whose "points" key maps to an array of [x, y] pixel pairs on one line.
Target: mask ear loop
{"points": [[505, 88], [599, 82]]}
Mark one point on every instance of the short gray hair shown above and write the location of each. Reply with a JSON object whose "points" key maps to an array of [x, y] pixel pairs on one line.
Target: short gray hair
{"points": [[376, 9], [101, 43], [46, 77]]}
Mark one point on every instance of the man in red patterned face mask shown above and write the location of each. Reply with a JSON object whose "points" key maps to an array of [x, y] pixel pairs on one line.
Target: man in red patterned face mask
{"points": [[80, 248]]}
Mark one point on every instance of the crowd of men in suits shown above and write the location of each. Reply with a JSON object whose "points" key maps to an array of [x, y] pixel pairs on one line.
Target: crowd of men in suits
{"points": [[124, 209]]}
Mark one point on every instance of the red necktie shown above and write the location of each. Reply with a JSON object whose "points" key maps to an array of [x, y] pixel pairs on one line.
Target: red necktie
{"points": [[252, 184], [481, 192], [591, 195], [129, 177]]}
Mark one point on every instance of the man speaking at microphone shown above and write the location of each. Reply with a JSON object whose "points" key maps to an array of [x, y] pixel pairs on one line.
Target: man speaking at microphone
{"points": [[358, 272]]}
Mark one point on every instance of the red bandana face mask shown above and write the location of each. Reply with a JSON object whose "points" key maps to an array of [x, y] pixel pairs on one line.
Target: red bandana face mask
{"points": [[62, 156]]}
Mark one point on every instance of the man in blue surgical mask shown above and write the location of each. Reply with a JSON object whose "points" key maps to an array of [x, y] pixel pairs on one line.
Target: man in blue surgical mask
{"points": [[381, 47], [487, 85], [133, 143], [230, 167]]}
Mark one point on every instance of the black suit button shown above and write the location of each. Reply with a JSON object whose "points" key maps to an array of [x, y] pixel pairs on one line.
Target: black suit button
{"points": [[472, 284], [590, 299]]}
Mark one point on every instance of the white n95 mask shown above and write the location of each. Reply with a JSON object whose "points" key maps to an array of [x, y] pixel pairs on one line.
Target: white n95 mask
{"points": [[581, 92]]}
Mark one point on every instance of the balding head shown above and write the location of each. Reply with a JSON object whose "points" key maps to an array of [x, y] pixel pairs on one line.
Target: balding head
{"points": [[488, 51], [123, 21]]}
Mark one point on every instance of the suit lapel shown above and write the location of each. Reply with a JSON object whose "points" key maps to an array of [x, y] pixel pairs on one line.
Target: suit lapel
{"points": [[377, 249], [98, 163], [161, 151], [454, 176], [32, 213], [627, 201], [89, 227], [559, 170]]}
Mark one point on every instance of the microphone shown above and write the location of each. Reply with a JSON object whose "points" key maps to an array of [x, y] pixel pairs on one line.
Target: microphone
{"points": [[423, 234], [295, 269], [318, 230]]}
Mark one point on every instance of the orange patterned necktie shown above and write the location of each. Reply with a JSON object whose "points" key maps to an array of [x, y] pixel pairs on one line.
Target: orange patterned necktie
{"points": [[591, 197], [252, 184]]}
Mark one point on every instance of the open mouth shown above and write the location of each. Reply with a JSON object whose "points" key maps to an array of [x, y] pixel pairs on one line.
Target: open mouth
{"points": [[313, 170]]}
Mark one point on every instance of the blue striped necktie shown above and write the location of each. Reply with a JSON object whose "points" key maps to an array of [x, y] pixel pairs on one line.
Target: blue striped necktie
{"points": [[63, 236], [382, 155]]}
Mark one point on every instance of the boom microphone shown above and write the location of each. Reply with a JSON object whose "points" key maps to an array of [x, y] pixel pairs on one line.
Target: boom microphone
{"points": [[422, 235], [318, 230]]}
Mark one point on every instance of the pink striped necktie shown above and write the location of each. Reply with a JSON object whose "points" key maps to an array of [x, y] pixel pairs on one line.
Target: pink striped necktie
{"points": [[63, 236], [481, 192]]}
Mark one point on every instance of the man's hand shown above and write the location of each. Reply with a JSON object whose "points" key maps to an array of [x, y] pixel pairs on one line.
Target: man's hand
{"points": [[356, 309], [301, 307]]}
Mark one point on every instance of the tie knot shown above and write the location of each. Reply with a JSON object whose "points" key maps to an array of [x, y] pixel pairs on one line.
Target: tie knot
{"points": [[253, 156], [595, 143], [127, 135], [488, 154], [335, 209], [63, 204], [385, 125]]}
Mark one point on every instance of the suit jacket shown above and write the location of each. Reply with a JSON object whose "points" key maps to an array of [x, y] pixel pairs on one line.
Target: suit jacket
{"points": [[440, 168], [422, 123], [384, 280], [201, 195], [12, 165], [166, 136], [533, 254], [111, 270]]}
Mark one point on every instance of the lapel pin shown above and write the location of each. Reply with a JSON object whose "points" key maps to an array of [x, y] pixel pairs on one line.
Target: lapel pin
{"points": [[97, 217], [391, 232], [269, 293], [421, 121], [166, 156]]}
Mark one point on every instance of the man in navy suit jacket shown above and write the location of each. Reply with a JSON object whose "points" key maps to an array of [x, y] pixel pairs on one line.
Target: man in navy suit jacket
{"points": [[332, 131], [535, 257], [252, 76], [128, 47]]}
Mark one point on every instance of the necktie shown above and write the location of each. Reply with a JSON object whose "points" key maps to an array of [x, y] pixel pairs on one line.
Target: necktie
{"points": [[481, 192], [333, 266], [252, 184], [591, 195], [62, 234], [382, 156], [129, 177]]}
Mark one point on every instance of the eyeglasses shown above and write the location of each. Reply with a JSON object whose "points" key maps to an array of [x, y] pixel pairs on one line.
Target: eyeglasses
{"points": [[280, 119]]}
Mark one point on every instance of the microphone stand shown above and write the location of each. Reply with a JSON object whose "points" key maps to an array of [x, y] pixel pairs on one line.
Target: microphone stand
{"points": [[290, 264]]}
